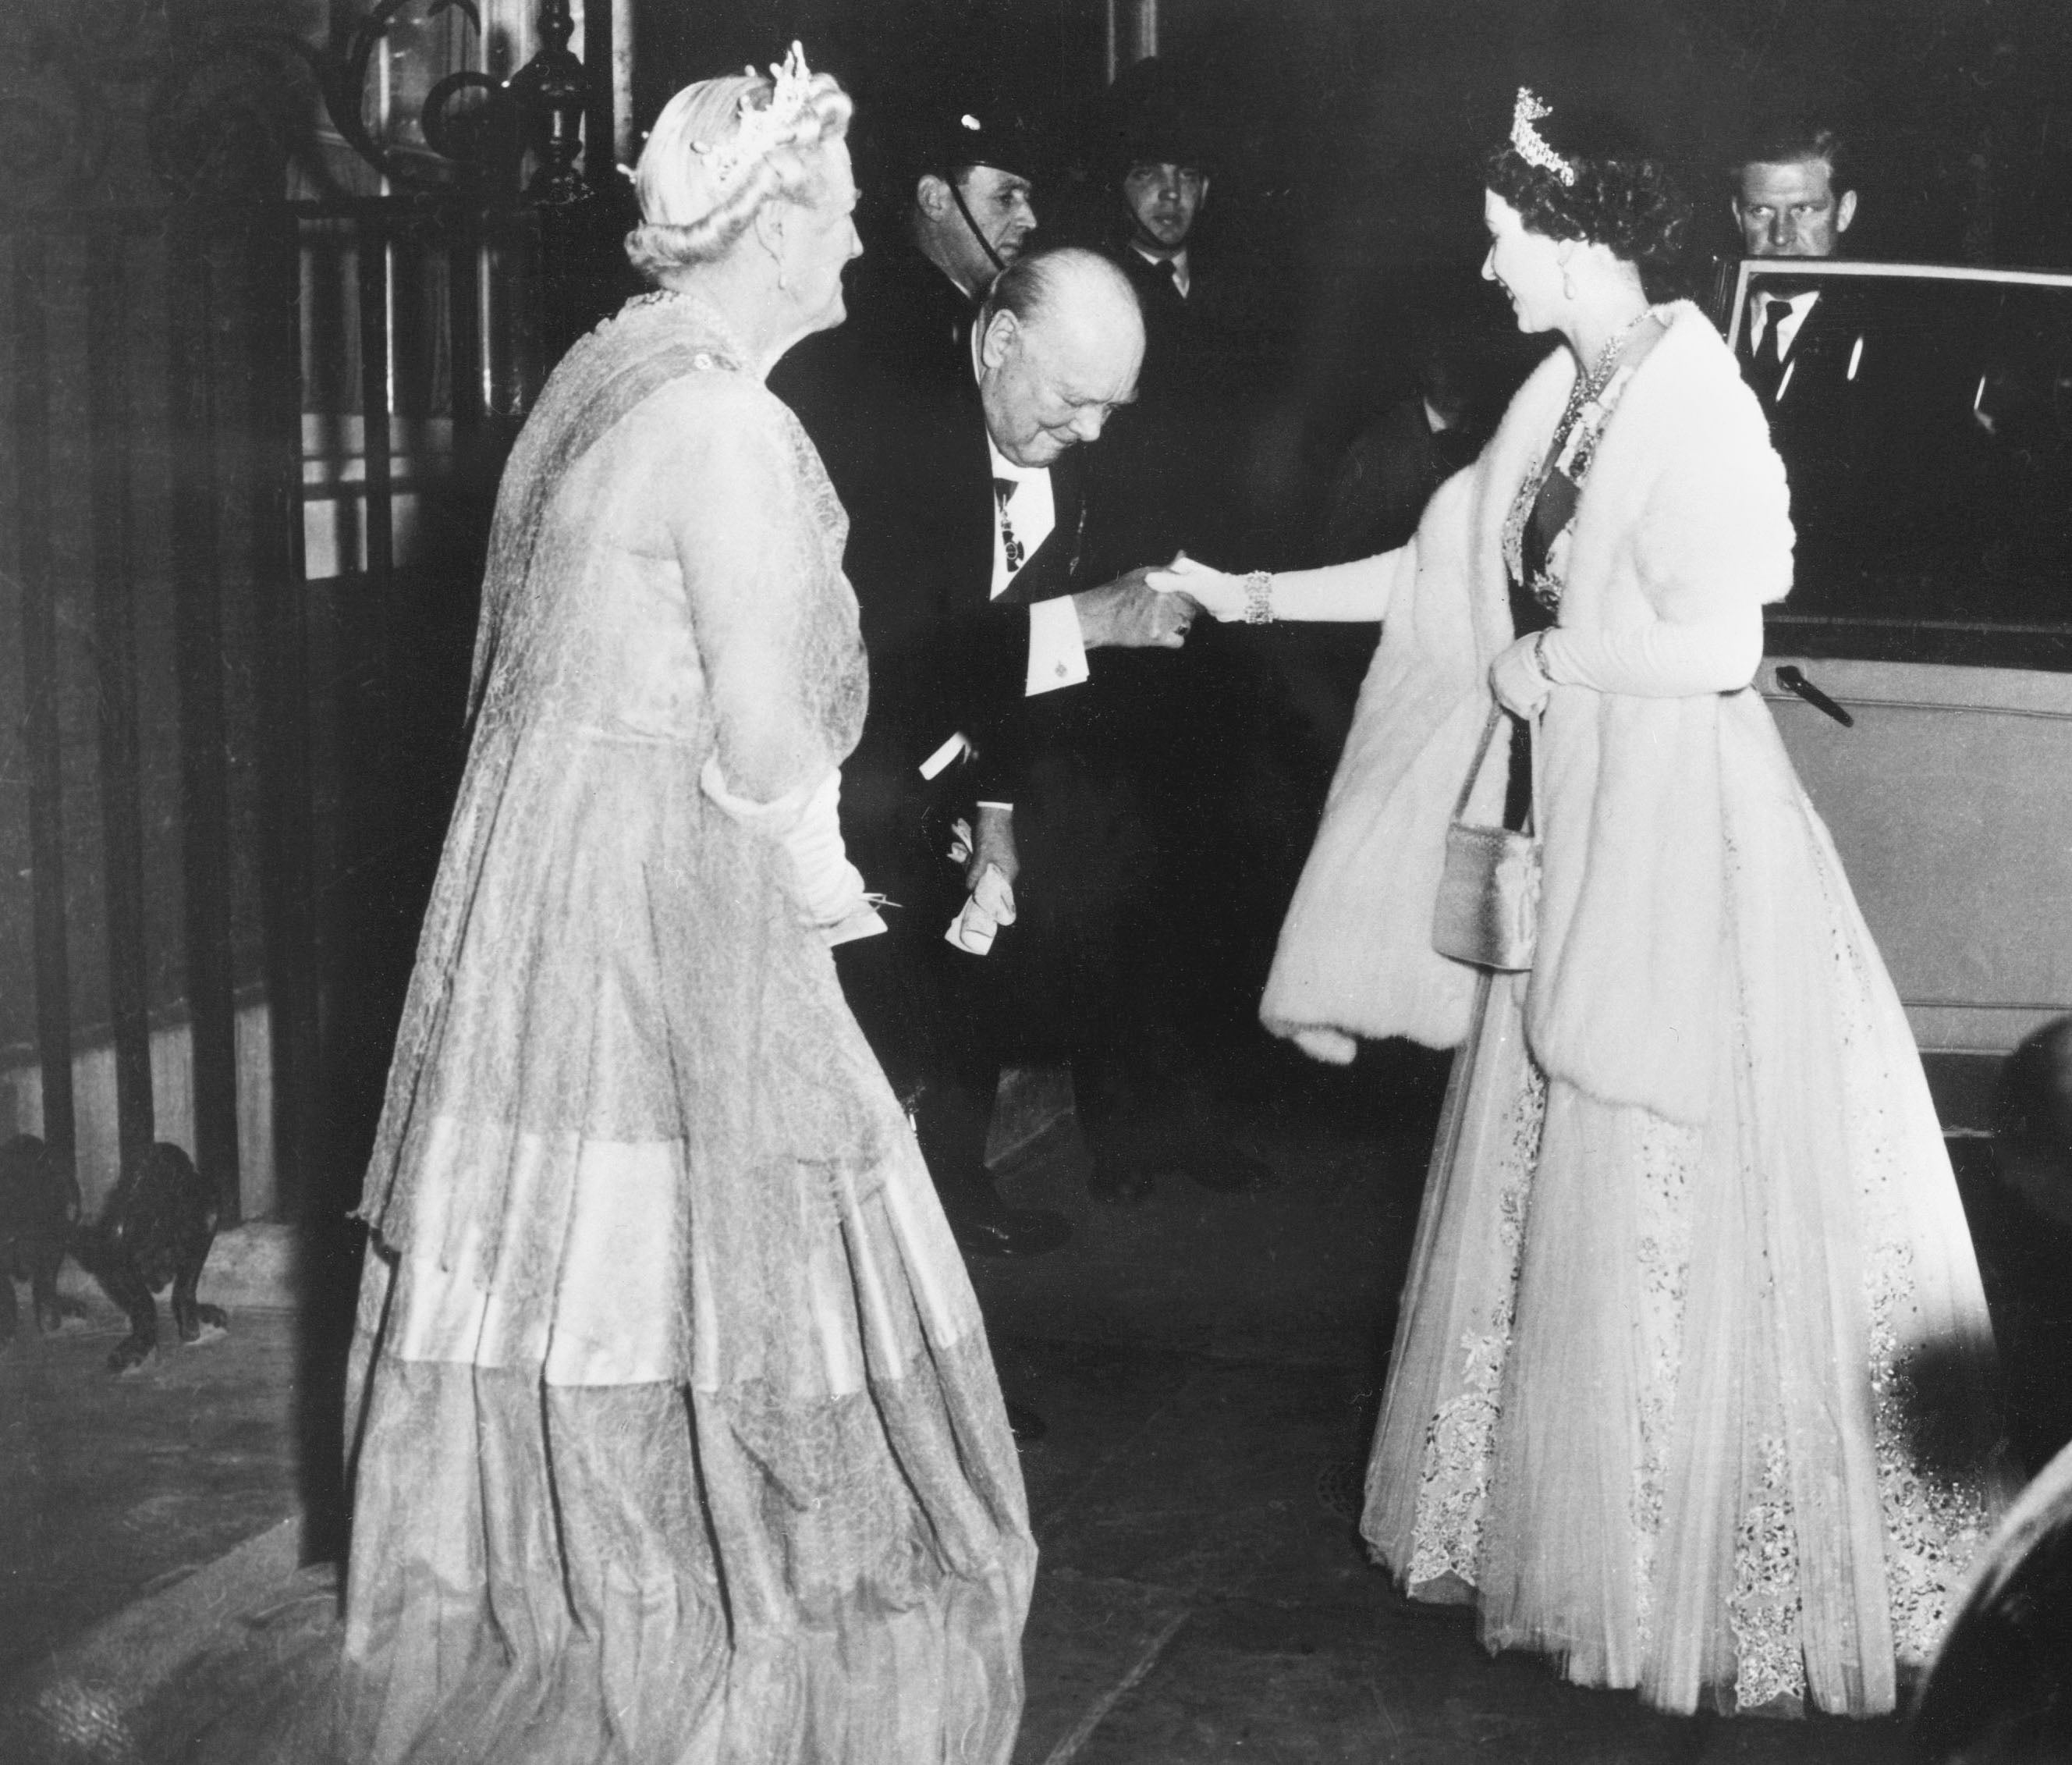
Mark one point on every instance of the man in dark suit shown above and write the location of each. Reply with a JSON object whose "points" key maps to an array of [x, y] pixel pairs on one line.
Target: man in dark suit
{"points": [[881, 398], [1802, 342], [951, 436], [1793, 199]]}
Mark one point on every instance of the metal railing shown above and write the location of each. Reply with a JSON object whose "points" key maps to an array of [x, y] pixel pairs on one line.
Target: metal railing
{"points": [[211, 744]]}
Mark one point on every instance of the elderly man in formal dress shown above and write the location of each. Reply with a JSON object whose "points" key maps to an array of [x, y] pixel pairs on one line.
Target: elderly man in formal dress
{"points": [[953, 432]]}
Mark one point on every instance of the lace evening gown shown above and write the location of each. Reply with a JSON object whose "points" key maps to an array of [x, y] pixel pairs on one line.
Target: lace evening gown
{"points": [[1698, 1410], [675, 1435]]}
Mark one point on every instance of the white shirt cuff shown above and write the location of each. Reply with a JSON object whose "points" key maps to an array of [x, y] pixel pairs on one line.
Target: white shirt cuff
{"points": [[1057, 647]]}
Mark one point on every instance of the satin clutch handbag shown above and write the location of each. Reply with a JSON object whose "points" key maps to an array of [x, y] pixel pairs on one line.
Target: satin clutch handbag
{"points": [[1488, 911]]}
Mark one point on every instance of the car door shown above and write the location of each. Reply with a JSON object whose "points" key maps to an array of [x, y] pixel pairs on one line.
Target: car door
{"points": [[1921, 670]]}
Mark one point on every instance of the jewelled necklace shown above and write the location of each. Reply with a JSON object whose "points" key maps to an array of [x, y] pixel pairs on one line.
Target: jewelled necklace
{"points": [[1590, 386], [1571, 447]]}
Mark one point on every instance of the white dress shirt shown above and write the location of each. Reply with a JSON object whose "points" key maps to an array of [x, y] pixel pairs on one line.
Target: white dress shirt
{"points": [[1057, 646]]}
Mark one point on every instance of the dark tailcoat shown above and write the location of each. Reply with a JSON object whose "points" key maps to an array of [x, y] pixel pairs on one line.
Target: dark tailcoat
{"points": [[891, 399], [892, 402]]}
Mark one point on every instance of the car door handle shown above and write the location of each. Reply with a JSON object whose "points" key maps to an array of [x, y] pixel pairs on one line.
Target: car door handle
{"points": [[1793, 681]]}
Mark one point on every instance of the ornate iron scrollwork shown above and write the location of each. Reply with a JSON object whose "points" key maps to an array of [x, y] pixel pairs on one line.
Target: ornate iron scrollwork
{"points": [[240, 97], [550, 87]]}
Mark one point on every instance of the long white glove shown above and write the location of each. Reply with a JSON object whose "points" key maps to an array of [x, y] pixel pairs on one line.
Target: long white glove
{"points": [[826, 888]]}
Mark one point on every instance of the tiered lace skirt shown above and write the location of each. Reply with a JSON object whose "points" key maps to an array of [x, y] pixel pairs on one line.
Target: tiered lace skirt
{"points": [[675, 1437], [1701, 1410], [592, 1555]]}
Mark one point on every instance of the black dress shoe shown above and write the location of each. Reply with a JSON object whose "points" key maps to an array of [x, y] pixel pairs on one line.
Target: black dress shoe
{"points": [[983, 1225], [1026, 1425], [1118, 1183]]}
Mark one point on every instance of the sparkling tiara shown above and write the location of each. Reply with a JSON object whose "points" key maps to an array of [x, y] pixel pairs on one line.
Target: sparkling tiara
{"points": [[759, 130], [1526, 141]]}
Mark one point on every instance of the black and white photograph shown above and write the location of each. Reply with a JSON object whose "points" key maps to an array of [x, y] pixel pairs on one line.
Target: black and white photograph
{"points": [[1035, 882]]}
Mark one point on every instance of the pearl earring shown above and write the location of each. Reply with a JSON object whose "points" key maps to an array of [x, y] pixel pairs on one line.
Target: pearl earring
{"points": [[1568, 285]]}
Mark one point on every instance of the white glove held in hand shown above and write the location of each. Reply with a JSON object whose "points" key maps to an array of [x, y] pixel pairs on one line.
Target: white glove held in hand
{"points": [[826, 889], [1517, 679], [988, 907]]}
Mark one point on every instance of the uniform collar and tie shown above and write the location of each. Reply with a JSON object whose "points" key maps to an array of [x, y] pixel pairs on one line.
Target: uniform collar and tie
{"points": [[1173, 268]]}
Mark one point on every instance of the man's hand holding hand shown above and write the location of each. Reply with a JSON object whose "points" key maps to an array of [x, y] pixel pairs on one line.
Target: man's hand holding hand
{"points": [[1218, 593], [1128, 614]]}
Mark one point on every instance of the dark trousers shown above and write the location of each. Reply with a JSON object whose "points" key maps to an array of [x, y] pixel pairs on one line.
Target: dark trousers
{"points": [[924, 1006], [1083, 973], [1086, 976]]}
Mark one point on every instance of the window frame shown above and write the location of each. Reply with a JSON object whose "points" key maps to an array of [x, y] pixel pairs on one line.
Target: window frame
{"points": [[1976, 642]]}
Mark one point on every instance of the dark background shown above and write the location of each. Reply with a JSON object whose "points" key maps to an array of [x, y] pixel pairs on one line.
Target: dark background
{"points": [[1346, 201], [1348, 131]]}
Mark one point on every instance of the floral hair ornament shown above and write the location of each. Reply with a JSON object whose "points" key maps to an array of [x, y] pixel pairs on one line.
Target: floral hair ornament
{"points": [[758, 130], [1526, 141]]}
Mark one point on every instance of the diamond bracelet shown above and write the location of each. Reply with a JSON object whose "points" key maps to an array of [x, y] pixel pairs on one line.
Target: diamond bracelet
{"points": [[1259, 597]]}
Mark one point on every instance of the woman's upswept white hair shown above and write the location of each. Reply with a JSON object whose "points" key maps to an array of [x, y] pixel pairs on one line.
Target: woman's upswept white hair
{"points": [[697, 198]]}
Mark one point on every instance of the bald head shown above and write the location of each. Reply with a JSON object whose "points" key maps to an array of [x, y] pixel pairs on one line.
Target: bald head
{"points": [[1063, 339]]}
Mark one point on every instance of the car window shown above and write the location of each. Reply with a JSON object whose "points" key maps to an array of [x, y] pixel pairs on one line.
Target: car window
{"points": [[1925, 420]]}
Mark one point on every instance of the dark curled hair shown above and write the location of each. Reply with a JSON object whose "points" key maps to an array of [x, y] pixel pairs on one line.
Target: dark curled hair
{"points": [[1622, 198]]}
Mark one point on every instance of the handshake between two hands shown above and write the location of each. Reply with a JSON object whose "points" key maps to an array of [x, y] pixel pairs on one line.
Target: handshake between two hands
{"points": [[1518, 675], [1152, 607]]}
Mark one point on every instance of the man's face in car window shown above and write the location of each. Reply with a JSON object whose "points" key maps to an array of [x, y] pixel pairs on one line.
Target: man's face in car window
{"points": [[1792, 210]]}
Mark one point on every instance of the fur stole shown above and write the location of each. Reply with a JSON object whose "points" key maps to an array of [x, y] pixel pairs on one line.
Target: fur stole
{"points": [[1685, 509]]}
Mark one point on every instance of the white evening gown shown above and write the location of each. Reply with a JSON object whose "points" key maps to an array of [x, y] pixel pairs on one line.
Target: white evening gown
{"points": [[1704, 1411]]}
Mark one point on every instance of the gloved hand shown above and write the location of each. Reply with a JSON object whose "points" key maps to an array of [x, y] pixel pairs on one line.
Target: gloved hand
{"points": [[806, 824], [1516, 678]]}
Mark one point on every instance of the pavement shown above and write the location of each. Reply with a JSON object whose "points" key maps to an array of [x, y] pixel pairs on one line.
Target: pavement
{"points": [[1208, 1366]]}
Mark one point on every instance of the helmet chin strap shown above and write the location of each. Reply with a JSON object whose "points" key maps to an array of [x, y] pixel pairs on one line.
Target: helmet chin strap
{"points": [[985, 244]]}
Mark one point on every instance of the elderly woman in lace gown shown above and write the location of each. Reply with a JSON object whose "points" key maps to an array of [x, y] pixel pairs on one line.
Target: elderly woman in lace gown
{"points": [[674, 1432], [1686, 1384]]}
